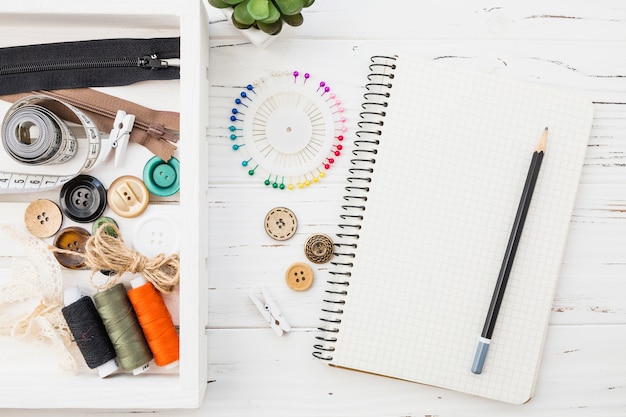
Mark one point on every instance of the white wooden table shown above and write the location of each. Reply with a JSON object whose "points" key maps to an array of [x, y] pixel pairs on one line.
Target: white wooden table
{"points": [[578, 44]]}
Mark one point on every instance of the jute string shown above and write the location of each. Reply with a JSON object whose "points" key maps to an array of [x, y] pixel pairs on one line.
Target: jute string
{"points": [[105, 252]]}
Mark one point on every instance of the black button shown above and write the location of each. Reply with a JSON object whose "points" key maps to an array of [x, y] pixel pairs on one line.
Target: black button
{"points": [[83, 198]]}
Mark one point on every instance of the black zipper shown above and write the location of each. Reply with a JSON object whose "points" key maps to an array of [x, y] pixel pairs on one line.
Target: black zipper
{"points": [[94, 63], [147, 62]]}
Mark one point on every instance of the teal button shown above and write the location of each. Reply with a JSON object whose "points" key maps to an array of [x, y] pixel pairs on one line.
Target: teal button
{"points": [[162, 178]]}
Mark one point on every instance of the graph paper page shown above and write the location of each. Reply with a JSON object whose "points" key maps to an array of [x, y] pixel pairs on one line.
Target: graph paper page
{"points": [[453, 157]]}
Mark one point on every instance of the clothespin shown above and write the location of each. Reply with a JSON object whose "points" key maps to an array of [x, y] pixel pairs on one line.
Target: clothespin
{"points": [[119, 136], [271, 313]]}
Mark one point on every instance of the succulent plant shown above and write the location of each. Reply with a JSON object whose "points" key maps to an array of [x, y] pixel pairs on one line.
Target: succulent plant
{"points": [[266, 15]]}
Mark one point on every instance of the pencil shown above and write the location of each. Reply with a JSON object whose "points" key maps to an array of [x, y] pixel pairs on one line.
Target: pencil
{"points": [[509, 255]]}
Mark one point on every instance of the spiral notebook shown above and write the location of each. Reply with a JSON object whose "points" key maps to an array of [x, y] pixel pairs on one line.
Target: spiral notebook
{"points": [[440, 160]]}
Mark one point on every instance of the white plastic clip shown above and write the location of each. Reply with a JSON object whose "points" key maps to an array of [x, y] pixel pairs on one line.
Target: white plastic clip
{"points": [[119, 136], [271, 313]]}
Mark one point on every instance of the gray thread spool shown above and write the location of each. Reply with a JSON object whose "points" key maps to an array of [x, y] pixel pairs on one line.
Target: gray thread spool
{"points": [[120, 320]]}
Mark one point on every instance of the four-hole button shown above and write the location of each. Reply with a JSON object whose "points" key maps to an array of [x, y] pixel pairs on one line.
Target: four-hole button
{"points": [[43, 218], [83, 198], [299, 276]]}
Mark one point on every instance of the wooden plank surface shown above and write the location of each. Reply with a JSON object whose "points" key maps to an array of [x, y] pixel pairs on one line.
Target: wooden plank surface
{"points": [[576, 44]]}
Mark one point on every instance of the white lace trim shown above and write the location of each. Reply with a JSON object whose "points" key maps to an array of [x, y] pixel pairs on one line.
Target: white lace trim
{"points": [[35, 277]]}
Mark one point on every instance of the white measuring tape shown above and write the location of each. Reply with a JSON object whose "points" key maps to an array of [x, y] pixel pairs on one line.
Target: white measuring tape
{"points": [[41, 151]]}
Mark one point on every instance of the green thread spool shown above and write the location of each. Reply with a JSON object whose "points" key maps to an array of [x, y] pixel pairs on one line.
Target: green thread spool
{"points": [[122, 325]]}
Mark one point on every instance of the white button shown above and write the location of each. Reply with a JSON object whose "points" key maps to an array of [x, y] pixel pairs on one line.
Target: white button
{"points": [[154, 235]]}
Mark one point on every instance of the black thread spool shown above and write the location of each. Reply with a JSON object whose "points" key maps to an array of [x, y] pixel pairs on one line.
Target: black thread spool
{"points": [[89, 332]]}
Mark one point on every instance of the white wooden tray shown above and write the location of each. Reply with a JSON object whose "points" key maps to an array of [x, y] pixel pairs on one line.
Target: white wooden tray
{"points": [[29, 373]]}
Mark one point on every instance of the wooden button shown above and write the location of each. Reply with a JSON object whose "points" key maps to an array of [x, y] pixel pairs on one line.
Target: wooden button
{"points": [[299, 276], [319, 248], [43, 218], [281, 223], [72, 239]]}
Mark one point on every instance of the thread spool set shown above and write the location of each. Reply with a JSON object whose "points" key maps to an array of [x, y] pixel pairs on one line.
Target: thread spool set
{"points": [[122, 328]]}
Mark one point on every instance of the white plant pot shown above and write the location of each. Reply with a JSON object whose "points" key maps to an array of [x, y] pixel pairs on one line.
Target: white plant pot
{"points": [[256, 36]]}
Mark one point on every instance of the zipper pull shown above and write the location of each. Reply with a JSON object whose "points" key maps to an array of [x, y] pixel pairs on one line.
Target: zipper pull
{"points": [[151, 62], [159, 132]]}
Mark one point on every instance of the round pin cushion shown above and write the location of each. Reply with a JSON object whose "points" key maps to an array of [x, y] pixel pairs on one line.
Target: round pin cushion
{"points": [[288, 129]]}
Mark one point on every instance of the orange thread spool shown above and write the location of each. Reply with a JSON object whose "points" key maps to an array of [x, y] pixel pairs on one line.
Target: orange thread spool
{"points": [[156, 322]]}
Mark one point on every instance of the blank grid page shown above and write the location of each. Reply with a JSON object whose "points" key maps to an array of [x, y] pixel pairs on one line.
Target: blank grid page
{"points": [[453, 158]]}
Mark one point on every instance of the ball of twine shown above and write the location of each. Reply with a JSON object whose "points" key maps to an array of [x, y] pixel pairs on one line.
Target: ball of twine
{"points": [[104, 251]]}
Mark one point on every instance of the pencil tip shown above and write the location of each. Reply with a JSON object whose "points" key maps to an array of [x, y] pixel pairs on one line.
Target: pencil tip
{"points": [[541, 145]]}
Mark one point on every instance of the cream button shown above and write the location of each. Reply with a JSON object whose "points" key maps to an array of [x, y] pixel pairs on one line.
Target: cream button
{"points": [[281, 223], [43, 218], [128, 196], [299, 276]]}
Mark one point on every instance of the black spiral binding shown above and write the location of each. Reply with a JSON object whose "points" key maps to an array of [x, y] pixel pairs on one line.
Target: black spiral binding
{"points": [[379, 85]]}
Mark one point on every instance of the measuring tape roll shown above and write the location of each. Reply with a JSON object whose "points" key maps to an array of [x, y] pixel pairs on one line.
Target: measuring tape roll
{"points": [[33, 136]]}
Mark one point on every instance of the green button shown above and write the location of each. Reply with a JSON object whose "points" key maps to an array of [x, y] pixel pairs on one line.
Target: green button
{"points": [[162, 178], [164, 175], [106, 222]]}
